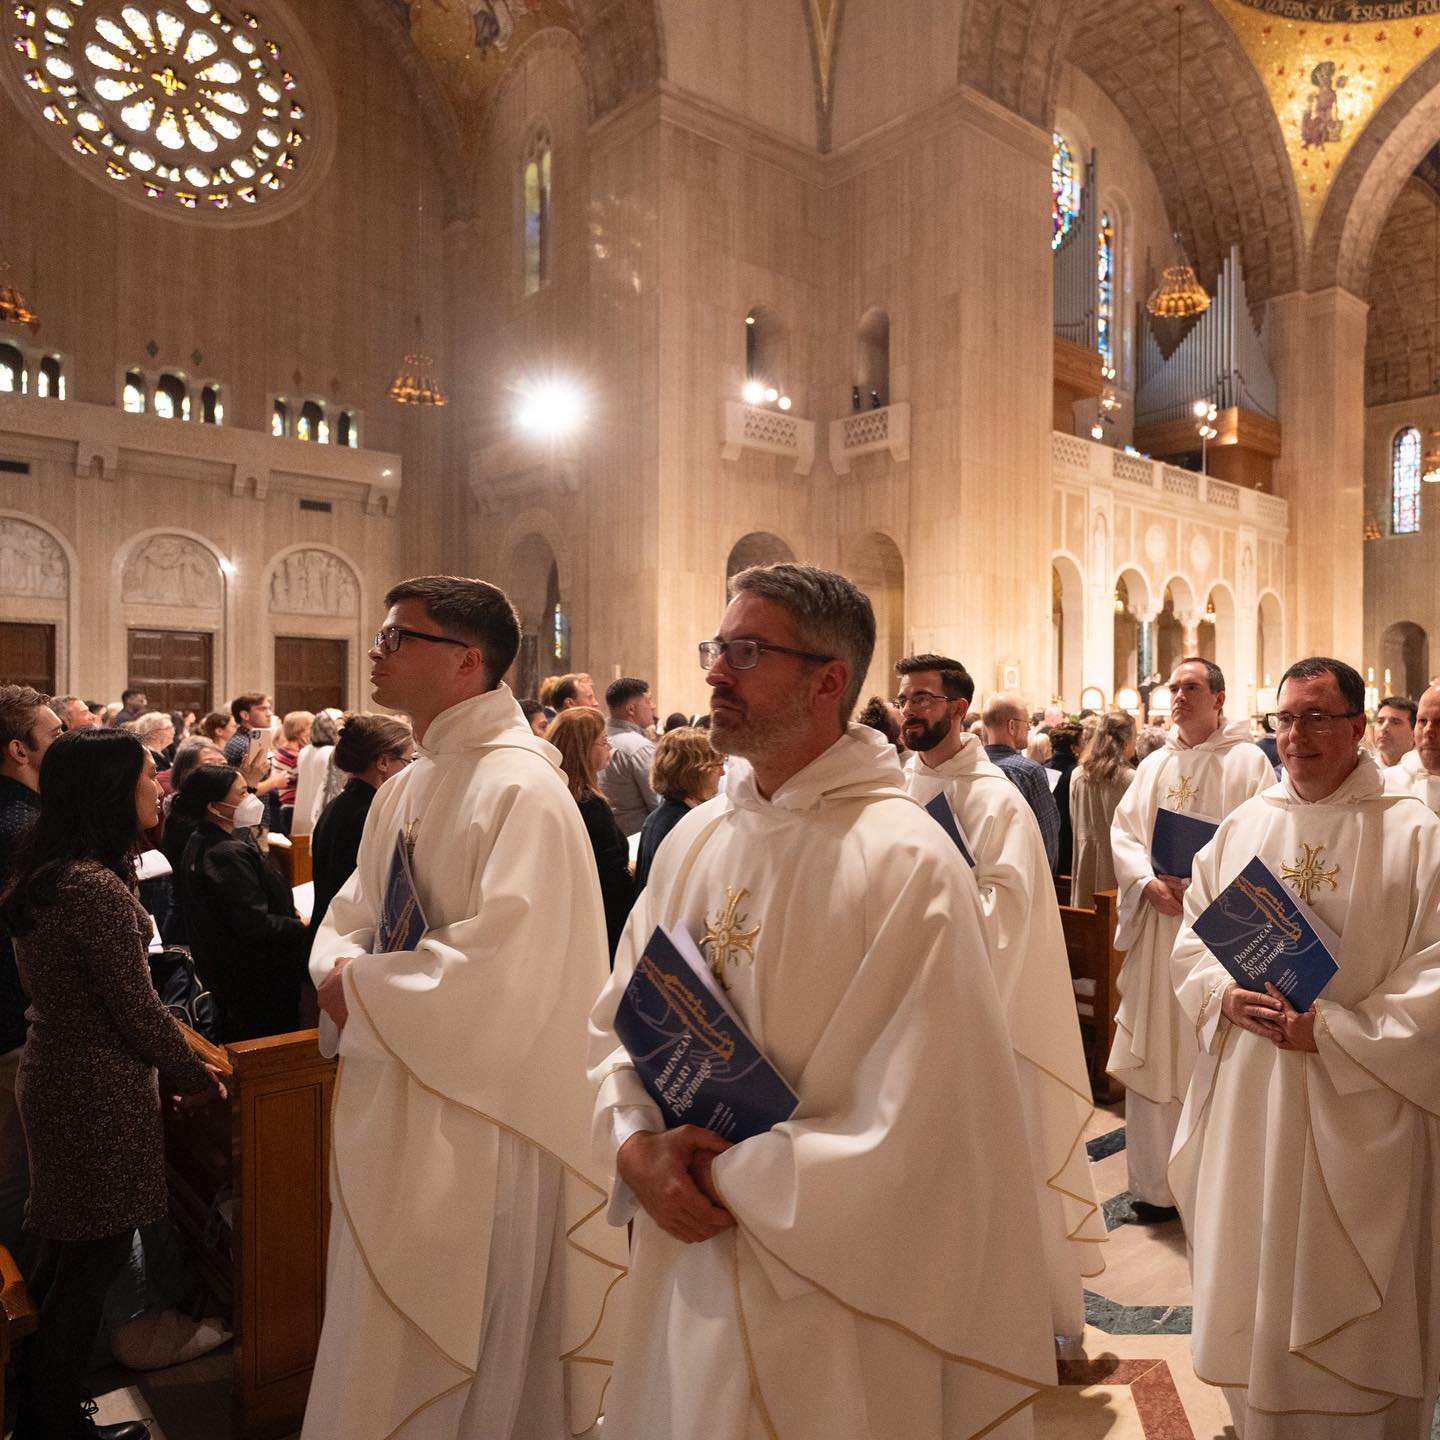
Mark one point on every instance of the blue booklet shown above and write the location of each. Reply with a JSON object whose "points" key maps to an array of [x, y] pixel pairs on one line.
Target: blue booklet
{"points": [[939, 809], [1176, 840], [402, 919], [1258, 932], [690, 1050]]}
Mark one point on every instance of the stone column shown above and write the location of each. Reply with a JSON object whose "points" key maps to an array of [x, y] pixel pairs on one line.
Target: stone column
{"points": [[1318, 351]]}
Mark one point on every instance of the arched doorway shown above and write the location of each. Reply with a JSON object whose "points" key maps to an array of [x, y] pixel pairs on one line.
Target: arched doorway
{"points": [[1067, 617], [1405, 658], [1215, 635], [759, 547], [1176, 612], [1132, 601], [533, 585], [875, 564]]}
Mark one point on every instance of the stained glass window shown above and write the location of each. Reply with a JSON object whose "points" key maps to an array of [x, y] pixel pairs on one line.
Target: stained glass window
{"points": [[312, 424], [537, 215], [1405, 483], [181, 108], [1064, 188], [559, 631], [1105, 290]]}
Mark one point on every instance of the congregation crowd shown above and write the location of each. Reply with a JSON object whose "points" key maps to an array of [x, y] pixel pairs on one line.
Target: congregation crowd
{"points": [[894, 1219]]}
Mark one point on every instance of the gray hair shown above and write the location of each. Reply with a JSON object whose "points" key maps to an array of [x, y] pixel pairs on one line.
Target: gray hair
{"points": [[150, 722], [830, 614]]}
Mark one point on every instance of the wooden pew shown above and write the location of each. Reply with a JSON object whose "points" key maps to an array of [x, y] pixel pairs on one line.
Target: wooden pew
{"points": [[18, 1316], [1094, 965], [248, 1183], [301, 870]]}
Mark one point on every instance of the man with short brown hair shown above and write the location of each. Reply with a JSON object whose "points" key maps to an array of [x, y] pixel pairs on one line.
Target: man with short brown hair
{"points": [[1394, 729], [1418, 771]]}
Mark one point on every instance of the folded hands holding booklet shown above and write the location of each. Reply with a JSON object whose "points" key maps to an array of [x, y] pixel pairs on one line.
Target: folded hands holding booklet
{"points": [[692, 1054]]}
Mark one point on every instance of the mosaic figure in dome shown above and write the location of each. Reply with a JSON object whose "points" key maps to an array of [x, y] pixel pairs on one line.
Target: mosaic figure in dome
{"points": [[1323, 124]]}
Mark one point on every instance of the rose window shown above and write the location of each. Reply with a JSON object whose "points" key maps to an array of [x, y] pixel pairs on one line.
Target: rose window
{"points": [[183, 106]]}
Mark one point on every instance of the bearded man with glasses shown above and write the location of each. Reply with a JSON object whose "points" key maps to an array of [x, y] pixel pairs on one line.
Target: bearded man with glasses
{"points": [[469, 1260], [1307, 1159], [1026, 947], [1206, 768], [842, 1273]]}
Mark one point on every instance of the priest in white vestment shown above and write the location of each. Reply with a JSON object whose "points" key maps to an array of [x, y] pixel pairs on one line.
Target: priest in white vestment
{"points": [[870, 1269], [1418, 771], [1205, 768], [1307, 1167], [469, 1262], [1027, 954]]}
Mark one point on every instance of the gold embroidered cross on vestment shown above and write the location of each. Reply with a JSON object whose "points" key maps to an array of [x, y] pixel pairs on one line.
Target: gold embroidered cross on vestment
{"points": [[725, 939], [1181, 793], [1308, 874]]}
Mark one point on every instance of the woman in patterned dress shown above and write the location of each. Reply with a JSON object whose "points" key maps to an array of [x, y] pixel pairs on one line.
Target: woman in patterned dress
{"points": [[88, 1090]]}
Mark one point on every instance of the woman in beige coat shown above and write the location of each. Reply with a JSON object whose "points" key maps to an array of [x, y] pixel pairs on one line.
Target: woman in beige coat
{"points": [[1102, 777]]}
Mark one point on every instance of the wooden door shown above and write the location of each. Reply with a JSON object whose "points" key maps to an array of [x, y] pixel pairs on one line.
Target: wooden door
{"points": [[172, 667], [310, 674], [27, 655]]}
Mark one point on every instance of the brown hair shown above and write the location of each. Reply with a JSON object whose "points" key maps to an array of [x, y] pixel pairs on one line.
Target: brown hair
{"points": [[474, 611], [1104, 756], [216, 721], [574, 733], [364, 739], [682, 758], [248, 701], [18, 707]]}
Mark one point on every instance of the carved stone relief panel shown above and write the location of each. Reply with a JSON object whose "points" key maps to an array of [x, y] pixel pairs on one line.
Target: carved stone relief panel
{"points": [[172, 570], [31, 563], [314, 582]]}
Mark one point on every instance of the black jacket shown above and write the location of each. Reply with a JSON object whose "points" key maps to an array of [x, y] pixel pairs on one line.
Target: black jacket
{"points": [[19, 805], [612, 862], [335, 845], [250, 948]]}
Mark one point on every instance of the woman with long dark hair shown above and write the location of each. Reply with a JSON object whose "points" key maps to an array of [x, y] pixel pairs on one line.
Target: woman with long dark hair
{"points": [[88, 1095], [370, 749], [249, 945]]}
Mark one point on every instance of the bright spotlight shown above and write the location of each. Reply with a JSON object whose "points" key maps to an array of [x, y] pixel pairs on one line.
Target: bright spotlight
{"points": [[753, 393], [552, 409], [1200, 407], [784, 402], [1097, 431], [771, 394]]}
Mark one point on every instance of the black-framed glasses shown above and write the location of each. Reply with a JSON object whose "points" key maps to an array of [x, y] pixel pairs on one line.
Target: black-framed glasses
{"points": [[1317, 722], [919, 700], [388, 638], [745, 654]]}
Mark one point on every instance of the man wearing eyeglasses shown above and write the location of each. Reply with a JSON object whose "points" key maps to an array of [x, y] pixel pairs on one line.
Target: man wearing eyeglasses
{"points": [[1026, 947], [469, 1260], [1305, 1166], [1418, 771], [841, 1274], [1205, 768]]}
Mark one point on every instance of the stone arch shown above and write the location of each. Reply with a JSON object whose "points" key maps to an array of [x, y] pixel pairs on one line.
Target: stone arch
{"points": [[1226, 178], [872, 357], [759, 547], [1269, 641], [1405, 656], [144, 595], [1219, 638], [1381, 160], [40, 582], [1132, 608], [1011, 50], [1401, 344], [767, 346], [535, 575], [1068, 610], [316, 590], [1174, 621], [874, 562]]}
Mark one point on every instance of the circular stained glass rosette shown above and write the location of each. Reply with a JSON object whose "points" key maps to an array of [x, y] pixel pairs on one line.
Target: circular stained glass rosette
{"points": [[187, 108]]}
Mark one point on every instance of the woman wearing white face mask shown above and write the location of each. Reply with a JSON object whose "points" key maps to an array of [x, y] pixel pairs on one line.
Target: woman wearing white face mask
{"points": [[250, 947]]}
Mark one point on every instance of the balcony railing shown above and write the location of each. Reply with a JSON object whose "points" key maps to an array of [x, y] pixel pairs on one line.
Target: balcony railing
{"points": [[772, 432], [869, 431]]}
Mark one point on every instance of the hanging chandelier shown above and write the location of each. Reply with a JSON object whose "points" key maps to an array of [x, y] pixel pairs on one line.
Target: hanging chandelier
{"points": [[1179, 293], [14, 308], [416, 384]]}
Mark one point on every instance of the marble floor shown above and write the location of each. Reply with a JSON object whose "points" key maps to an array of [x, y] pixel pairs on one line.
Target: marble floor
{"points": [[1131, 1377]]}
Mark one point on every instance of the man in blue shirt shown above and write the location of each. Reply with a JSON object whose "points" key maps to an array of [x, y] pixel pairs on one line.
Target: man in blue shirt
{"points": [[1007, 730]]}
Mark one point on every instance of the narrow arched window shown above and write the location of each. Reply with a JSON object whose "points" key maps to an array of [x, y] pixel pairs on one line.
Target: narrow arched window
{"points": [[312, 425], [346, 430], [212, 408], [1105, 291], [50, 379], [1064, 189], [280, 418], [537, 212], [172, 397], [133, 396], [1405, 482], [12, 371]]}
